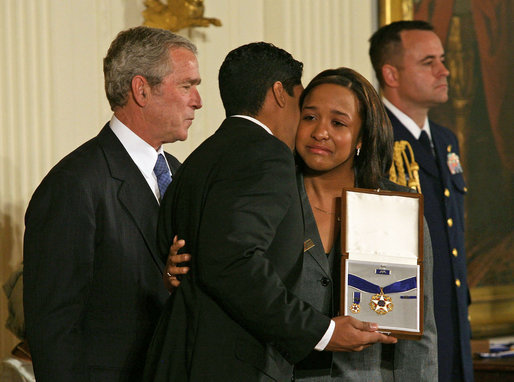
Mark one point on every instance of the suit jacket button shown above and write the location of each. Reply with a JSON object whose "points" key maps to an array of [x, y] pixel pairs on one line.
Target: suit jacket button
{"points": [[446, 192], [455, 252], [325, 281], [450, 222], [457, 282]]}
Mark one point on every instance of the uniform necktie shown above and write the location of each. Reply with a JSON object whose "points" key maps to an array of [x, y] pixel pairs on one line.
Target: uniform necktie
{"points": [[424, 140], [163, 174]]}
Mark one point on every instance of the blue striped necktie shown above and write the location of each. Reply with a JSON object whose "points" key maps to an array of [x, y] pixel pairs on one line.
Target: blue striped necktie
{"points": [[163, 174]]}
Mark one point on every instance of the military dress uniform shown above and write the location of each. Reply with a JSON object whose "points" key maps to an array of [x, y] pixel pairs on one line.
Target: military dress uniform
{"points": [[443, 188]]}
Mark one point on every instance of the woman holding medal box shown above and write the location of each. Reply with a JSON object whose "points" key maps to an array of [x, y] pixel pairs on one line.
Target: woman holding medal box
{"points": [[344, 139]]}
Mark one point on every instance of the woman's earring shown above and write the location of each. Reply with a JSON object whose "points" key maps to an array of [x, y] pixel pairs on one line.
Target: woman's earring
{"points": [[358, 151]]}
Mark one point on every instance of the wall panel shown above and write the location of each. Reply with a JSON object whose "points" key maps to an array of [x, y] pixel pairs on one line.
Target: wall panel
{"points": [[25, 147], [322, 33]]}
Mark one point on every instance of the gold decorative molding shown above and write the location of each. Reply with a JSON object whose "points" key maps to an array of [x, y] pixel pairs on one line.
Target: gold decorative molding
{"points": [[460, 60], [176, 14], [394, 10], [492, 311]]}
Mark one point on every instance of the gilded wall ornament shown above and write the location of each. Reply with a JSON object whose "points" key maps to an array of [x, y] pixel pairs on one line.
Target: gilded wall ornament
{"points": [[176, 14]]}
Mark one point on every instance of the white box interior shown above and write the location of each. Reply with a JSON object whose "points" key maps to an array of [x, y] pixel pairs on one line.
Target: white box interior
{"points": [[382, 228]]}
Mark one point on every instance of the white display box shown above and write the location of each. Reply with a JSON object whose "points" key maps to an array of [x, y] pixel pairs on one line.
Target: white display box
{"points": [[382, 260]]}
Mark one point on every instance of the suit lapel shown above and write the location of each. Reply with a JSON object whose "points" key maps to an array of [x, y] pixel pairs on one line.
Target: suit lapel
{"points": [[422, 157], [312, 241], [134, 193]]}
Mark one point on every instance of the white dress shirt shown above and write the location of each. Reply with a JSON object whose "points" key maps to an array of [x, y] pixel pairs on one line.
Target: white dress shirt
{"points": [[254, 121], [408, 122], [143, 155]]}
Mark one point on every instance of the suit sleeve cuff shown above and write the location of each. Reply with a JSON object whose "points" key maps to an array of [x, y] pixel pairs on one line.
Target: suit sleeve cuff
{"points": [[322, 344]]}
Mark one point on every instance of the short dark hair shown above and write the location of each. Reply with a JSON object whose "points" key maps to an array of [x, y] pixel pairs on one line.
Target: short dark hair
{"points": [[139, 51], [248, 72], [376, 132], [386, 43]]}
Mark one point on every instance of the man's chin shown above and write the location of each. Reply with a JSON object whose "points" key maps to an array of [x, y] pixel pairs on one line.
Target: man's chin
{"points": [[187, 125], [443, 94], [182, 137], [183, 133], [441, 98], [177, 137]]}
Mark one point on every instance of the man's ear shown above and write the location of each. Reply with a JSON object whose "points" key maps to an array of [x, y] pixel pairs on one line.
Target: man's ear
{"points": [[391, 75], [279, 93], [140, 90]]}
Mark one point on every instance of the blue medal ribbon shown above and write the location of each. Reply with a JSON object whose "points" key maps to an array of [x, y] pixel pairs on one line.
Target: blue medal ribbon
{"points": [[396, 287]]}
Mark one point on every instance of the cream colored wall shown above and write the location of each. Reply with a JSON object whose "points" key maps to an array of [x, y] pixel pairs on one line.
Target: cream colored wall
{"points": [[52, 95]]}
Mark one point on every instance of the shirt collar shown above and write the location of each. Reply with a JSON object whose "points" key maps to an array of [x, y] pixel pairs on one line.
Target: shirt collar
{"points": [[143, 155], [407, 121], [254, 121]]}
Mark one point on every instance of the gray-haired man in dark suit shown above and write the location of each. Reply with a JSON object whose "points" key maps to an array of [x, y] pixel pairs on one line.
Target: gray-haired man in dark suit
{"points": [[92, 289]]}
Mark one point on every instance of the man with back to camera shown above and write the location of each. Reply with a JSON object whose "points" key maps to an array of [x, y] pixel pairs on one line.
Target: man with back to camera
{"points": [[408, 59], [92, 279], [235, 203]]}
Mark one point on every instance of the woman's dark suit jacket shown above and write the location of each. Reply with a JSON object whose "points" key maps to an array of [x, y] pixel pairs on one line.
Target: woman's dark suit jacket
{"points": [[408, 360]]}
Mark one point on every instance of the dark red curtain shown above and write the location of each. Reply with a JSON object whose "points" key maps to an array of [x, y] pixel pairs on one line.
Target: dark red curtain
{"points": [[494, 25], [436, 12]]}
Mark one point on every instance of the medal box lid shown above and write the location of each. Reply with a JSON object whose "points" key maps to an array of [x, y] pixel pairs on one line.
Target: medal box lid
{"points": [[382, 226]]}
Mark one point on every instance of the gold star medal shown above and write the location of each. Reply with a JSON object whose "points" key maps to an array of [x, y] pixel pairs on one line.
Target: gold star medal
{"points": [[381, 303]]}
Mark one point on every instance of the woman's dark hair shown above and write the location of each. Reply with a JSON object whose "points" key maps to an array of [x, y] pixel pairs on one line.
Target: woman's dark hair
{"points": [[376, 132]]}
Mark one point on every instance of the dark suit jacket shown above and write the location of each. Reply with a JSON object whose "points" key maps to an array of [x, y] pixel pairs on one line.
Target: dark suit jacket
{"points": [[444, 199], [406, 360], [235, 202], [92, 280]]}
